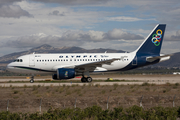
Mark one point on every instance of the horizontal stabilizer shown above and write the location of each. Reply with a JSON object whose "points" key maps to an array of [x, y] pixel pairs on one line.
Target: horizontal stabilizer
{"points": [[165, 57]]}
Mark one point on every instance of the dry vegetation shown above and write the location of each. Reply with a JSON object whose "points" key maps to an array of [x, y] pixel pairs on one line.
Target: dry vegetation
{"points": [[27, 99]]}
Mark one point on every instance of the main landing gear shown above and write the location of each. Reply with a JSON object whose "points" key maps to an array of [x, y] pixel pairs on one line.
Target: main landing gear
{"points": [[86, 79], [32, 79]]}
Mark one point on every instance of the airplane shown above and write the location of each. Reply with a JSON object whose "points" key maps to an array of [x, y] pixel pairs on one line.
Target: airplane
{"points": [[69, 65]]}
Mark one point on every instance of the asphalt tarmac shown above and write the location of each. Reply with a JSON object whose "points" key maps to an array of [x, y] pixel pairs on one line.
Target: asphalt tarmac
{"points": [[125, 80]]}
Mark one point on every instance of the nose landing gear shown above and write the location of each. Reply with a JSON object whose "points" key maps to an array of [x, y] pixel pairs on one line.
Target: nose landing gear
{"points": [[32, 79]]}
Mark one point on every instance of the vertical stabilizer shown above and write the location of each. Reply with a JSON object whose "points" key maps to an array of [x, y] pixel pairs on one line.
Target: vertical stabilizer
{"points": [[152, 44]]}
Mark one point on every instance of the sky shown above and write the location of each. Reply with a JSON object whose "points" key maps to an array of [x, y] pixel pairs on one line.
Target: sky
{"points": [[90, 24]]}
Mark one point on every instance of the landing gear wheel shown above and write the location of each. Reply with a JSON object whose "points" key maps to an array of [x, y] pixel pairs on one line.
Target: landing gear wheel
{"points": [[89, 79], [31, 81], [83, 79]]}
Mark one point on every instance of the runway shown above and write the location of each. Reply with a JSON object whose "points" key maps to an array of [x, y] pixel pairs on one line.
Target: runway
{"points": [[124, 80]]}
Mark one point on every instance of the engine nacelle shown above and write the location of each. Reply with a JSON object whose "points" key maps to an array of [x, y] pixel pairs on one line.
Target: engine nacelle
{"points": [[64, 73]]}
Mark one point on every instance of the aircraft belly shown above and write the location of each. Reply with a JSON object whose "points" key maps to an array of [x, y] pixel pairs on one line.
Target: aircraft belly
{"points": [[116, 65]]}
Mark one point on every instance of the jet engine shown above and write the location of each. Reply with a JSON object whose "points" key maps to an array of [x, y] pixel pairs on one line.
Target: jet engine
{"points": [[64, 73]]}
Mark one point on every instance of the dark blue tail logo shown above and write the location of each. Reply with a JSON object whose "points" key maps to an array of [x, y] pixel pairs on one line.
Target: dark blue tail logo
{"points": [[156, 38]]}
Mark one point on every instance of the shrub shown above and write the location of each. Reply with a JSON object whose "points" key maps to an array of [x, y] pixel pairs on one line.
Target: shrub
{"points": [[176, 84], [35, 87], [16, 92], [97, 85], [164, 91], [145, 84], [97, 113], [115, 86]]}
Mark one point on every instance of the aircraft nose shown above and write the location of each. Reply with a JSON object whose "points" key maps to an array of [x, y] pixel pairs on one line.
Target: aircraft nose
{"points": [[9, 67]]}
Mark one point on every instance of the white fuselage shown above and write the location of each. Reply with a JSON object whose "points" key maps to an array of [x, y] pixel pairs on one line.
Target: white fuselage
{"points": [[43, 63]]}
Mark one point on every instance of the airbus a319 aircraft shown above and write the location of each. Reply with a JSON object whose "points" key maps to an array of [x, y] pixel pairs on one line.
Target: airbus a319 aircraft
{"points": [[67, 66]]}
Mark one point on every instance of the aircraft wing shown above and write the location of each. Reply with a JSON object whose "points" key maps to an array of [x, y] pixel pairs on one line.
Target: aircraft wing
{"points": [[92, 66], [87, 66], [151, 59]]}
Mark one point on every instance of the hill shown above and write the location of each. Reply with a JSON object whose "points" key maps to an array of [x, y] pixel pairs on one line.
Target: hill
{"points": [[49, 49], [174, 61]]}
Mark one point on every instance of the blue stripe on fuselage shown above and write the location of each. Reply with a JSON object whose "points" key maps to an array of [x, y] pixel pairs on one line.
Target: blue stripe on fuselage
{"points": [[35, 69]]}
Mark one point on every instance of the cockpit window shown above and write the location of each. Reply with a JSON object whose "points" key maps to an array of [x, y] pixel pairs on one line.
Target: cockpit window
{"points": [[18, 60]]}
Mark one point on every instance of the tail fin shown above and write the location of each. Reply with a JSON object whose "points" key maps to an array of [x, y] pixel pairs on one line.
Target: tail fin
{"points": [[152, 44]]}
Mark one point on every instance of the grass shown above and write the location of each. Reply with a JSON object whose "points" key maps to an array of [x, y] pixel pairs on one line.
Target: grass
{"points": [[115, 86], [88, 93], [68, 93], [147, 89], [103, 92], [77, 90], [35, 87]]}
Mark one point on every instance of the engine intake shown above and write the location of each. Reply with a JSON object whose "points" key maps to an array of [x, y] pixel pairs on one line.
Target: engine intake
{"points": [[64, 73]]}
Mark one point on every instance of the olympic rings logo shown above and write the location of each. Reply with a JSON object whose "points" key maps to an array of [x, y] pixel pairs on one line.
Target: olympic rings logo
{"points": [[156, 38]]}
